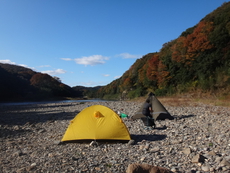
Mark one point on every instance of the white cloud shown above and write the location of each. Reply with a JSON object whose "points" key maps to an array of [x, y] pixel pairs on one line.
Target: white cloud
{"points": [[91, 83], [91, 60], [44, 66], [54, 72], [106, 75], [23, 65], [26, 66], [7, 61], [116, 77], [127, 55], [66, 59]]}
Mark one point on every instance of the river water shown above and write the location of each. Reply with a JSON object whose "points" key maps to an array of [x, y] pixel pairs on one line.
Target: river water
{"points": [[44, 102]]}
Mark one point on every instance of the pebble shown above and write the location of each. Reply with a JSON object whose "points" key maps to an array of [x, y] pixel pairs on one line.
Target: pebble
{"points": [[205, 168], [196, 141]]}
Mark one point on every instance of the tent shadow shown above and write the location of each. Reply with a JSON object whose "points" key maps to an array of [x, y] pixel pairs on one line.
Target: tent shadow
{"points": [[89, 141], [183, 116], [161, 128], [20, 115], [5, 133], [151, 137], [136, 138]]}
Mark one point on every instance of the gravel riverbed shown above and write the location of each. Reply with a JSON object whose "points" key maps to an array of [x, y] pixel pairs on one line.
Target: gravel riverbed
{"points": [[196, 141]]}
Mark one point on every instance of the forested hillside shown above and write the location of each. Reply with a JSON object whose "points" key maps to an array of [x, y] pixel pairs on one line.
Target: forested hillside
{"points": [[20, 83], [198, 60]]}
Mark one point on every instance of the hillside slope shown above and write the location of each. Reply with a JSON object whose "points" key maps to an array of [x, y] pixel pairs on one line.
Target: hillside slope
{"points": [[19, 83], [198, 60]]}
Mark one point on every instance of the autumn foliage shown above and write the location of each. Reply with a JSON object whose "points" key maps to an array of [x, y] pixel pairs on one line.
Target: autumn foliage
{"points": [[20, 83], [198, 59]]}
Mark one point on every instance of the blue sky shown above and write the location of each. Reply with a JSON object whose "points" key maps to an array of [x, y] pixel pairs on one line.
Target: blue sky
{"points": [[91, 42]]}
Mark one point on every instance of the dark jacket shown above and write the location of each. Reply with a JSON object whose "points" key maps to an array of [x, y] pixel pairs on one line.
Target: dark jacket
{"points": [[145, 110]]}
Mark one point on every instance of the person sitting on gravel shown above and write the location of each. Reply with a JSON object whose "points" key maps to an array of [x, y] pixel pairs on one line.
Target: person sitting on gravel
{"points": [[148, 121]]}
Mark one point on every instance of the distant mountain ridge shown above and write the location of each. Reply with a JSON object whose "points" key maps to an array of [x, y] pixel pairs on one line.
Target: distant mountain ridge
{"points": [[198, 61], [19, 83]]}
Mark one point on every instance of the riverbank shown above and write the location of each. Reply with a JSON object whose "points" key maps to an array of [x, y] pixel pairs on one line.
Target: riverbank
{"points": [[48, 102], [30, 136]]}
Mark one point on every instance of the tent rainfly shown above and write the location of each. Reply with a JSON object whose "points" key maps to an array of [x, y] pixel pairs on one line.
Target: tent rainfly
{"points": [[96, 122], [159, 111]]}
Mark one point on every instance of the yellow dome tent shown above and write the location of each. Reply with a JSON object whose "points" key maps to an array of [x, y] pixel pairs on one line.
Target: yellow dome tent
{"points": [[96, 122]]}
